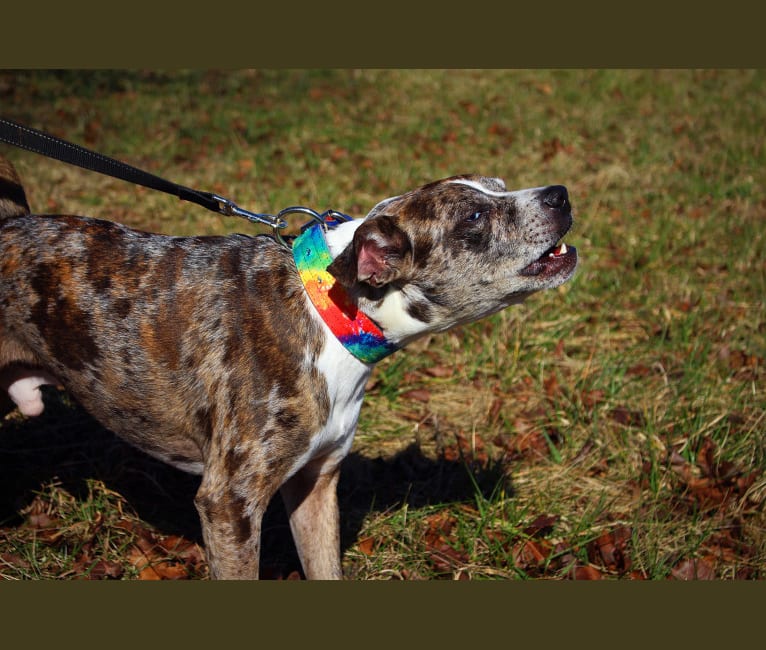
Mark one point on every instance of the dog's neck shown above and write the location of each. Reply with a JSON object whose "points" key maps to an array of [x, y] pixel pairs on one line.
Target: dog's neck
{"points": [[356, 330], [388, 312], [389, 309]]}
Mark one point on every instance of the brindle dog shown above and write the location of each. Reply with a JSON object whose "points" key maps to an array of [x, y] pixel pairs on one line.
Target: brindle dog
{"points": [[207, 352]]}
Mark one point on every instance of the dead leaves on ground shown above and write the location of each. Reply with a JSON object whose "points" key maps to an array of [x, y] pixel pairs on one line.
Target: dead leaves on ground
{"points": [[698, 481], [451, 550], [719, 490], [701, 481], [158, 557], [709, 483], [101, 546]]}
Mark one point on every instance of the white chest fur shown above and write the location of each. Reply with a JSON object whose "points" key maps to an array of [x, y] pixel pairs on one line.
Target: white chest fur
{"points": [[345, 377]]}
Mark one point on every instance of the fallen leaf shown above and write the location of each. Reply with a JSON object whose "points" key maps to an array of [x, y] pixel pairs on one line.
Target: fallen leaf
{"points": [[42, 520], [627, 417], [693, 569], [148, 573], [14, 560], [498, 129], [104, 569], [449, 136], [439, 371], [745, 481], [707, 492], [444, 558], [639, 370], [551, 386], [438, 527], [470, 107], [586, 572], [593, 398], [607, 550], [338, 153], [531, 443], [365, 545], [587, 447], [245, 165], [738, 359], [706, 457], [92, 132], [451, 453], [544, 87], [417, 394], [125, 524], [541, 526], [137, 558], [494, 410], [170, 571], [530, 553]]}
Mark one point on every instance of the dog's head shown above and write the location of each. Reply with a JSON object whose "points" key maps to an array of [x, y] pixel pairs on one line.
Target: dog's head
{"points": [[458, 249]]}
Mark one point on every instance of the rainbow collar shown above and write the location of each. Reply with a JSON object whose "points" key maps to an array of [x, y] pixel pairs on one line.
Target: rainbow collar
{"points": [[352, 327]]}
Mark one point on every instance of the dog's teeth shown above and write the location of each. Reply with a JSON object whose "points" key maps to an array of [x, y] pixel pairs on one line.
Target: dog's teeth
{"points": [[559, 250]]}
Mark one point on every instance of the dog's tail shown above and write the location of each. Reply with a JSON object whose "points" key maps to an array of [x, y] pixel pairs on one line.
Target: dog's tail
{"points": [[13, 199]]}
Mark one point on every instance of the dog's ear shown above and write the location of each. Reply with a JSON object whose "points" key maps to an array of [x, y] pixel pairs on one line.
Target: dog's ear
{"points": [[377, 255]]}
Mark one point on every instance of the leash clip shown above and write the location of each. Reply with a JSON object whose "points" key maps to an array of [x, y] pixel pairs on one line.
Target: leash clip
{"points": [[327, 219], [228, 208]]}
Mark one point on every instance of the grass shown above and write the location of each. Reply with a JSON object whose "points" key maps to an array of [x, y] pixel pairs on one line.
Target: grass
{"points": [[612, 428]]}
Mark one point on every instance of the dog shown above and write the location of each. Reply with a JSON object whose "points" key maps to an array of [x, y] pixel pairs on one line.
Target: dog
{"points": [[244, 360]]}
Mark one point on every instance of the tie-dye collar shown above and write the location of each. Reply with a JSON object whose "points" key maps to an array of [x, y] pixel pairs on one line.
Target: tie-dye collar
{"points": [[352, 327]]}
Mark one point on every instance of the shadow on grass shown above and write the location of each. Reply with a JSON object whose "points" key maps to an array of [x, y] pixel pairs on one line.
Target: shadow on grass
{"points": [[67, 445]]}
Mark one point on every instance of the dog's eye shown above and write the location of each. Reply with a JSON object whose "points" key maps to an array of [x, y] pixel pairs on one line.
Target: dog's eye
{"points": [[476, 216]]}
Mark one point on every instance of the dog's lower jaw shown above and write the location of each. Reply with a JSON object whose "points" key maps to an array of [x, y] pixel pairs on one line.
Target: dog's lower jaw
{"points": [[391, 315], [399, 318]]}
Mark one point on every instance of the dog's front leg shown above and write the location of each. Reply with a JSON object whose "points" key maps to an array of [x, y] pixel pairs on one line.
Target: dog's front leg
{"points": [[311, 500], [231, 528]]}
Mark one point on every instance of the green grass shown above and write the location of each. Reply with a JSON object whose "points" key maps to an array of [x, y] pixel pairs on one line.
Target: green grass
{"points": [[626, 411]]}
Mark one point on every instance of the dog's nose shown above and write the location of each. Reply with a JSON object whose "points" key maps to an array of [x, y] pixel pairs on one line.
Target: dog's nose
{"points": [[556, 197]]}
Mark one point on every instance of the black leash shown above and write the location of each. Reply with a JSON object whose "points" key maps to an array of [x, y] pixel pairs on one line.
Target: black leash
{"points": [[48, 145]]}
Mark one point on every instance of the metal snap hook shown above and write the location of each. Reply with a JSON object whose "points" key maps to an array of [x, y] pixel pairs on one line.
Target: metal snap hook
{"points": [[315, 216]]}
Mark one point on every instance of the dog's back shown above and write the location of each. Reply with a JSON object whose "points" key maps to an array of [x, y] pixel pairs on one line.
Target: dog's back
{"points": [[13, 199]]}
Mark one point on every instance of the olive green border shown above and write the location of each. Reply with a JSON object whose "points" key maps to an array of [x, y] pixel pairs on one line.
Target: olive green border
{"points": [[546, 614], [391, 34], [326, 34]]}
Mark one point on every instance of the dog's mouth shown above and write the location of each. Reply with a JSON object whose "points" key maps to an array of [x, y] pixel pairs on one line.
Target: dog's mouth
{"points": [[559, 259]]}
